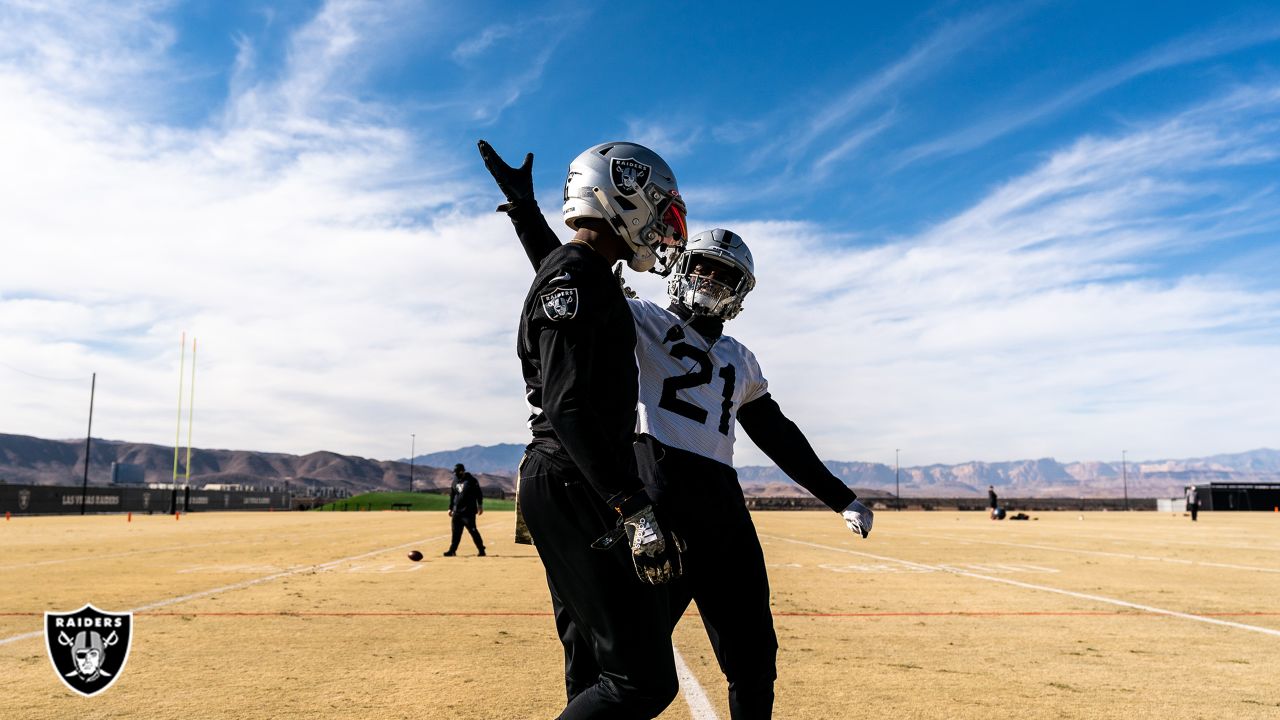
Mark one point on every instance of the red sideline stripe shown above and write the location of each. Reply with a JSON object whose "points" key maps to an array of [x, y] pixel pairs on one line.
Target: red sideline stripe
{"points": [[508, 613]]}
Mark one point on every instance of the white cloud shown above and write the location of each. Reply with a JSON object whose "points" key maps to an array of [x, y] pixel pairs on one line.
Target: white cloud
{"points": [[476, 45], [289, 236], [279, 236], [1182, 51], [1030, 325], [671, 140]]}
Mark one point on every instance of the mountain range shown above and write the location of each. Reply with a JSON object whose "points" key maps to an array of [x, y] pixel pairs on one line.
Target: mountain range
{"points": [[1044, 477], [25, 459], [30, 460]]}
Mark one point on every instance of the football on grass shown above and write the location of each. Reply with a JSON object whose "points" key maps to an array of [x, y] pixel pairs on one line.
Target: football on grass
{"points": [[415, 556]]}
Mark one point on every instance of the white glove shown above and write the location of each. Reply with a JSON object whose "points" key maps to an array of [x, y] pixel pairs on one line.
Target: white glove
{"points": [[858, 517]]}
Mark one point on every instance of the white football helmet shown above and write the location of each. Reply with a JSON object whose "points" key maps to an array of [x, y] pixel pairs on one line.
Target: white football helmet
{"points": [[713, 274], [632, 189]]}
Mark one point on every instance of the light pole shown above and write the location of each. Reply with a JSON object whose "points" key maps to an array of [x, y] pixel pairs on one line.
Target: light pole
{"points": [[1124, 475], [88, 439], [897, 487], [413, 447]]}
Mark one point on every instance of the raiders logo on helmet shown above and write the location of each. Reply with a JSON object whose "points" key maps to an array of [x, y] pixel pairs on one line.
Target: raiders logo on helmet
{"points": [[561, 304], [629, 175], [88, 647]]}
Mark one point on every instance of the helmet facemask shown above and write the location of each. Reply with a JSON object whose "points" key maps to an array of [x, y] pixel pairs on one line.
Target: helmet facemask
{"points": [[708, 285], [713, 275]]}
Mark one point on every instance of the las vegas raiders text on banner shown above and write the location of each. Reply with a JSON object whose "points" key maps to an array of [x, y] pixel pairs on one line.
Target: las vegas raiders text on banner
{"points": [[88, 647]]}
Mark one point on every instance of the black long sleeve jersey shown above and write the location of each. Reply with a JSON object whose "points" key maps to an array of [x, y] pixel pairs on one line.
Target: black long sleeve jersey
{"points": [[577, 347], [697, 384]]}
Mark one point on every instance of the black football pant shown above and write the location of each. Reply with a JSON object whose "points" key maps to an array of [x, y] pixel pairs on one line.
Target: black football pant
{"points": [[619, 652], [724, 573], [467, 520], [724, 570]]}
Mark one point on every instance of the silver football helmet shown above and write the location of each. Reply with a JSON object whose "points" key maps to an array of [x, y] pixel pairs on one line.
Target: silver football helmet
{"points": [[632, 189], [713, 274]]}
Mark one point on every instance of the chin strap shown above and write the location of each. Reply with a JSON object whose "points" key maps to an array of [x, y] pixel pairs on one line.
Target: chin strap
{"points": [[642, 256]]}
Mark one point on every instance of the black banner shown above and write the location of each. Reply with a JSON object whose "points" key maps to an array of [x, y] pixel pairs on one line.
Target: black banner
{"points": [[68, 500]]}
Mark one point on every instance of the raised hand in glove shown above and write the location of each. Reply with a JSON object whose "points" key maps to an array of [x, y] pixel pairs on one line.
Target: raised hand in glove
{"points": [[655, 552], [515, 183], [858, 517]]}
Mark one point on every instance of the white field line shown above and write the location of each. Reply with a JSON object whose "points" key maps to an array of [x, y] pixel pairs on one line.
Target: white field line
{"points": [[85, 558], [1130, 539], [1104, 553], [699, 705], [254, 581], [1043, 588]]}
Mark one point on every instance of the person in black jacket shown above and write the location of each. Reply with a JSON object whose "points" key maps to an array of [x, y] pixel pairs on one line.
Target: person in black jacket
{"points": [[696, 385], [579, 488], [465, 502]]}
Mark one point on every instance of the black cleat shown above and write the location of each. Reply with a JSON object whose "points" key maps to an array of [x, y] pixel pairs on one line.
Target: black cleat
{"points": [[449, 553], [480, 554]]}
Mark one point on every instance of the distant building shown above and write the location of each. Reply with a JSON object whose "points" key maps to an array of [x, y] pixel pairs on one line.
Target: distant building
{"points": [[127, 474], [1239, 496]]}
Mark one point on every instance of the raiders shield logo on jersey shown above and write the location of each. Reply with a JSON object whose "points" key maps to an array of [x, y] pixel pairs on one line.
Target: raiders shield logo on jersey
{"points": [[88, 647], [561, 304], [629, 175]]}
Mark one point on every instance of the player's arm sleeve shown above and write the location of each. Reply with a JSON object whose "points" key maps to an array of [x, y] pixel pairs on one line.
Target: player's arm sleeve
{"points": [[779, 438], [567, 350], [534, 233]]}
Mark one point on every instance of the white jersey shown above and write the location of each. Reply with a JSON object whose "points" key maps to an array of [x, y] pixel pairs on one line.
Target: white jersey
{"points": [[690, 387]]}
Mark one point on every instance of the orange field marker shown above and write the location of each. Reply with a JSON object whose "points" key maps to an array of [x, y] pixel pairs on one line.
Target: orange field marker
{"points": [[130, 518], [177, 516]]}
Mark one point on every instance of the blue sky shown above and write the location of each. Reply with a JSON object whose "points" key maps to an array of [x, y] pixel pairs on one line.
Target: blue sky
{"points": [[983, 231]]}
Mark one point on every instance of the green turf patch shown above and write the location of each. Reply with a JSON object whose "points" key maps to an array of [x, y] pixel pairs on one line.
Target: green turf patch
{"points": [[403, 501]]}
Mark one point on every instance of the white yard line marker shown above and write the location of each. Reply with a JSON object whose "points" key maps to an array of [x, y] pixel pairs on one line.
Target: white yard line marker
{"points": [[1131, 538], [1043, 588], [255, 581], [1104, 553], [699, 704], [89, 558]]}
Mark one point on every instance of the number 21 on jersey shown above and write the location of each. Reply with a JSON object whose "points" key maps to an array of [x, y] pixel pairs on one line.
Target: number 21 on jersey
{"points": [[697, 377]]}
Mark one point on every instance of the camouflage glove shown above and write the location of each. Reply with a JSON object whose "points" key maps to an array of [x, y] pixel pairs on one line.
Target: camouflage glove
{"points": [[516, 184], [655, 553]]}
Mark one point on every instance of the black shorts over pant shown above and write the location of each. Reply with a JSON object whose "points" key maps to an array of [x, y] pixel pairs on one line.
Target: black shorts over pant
{"points": [[620, 656]]}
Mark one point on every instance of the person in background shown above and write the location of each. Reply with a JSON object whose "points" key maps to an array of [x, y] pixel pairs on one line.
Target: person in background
{"points": [[465, 502]]}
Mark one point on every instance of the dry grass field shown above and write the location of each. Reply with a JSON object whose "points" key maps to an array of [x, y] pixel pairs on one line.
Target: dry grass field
{"points": [[937, 615]]}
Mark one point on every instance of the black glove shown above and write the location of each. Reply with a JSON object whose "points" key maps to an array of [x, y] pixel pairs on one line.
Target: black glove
{"points": [[515, 183]]}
